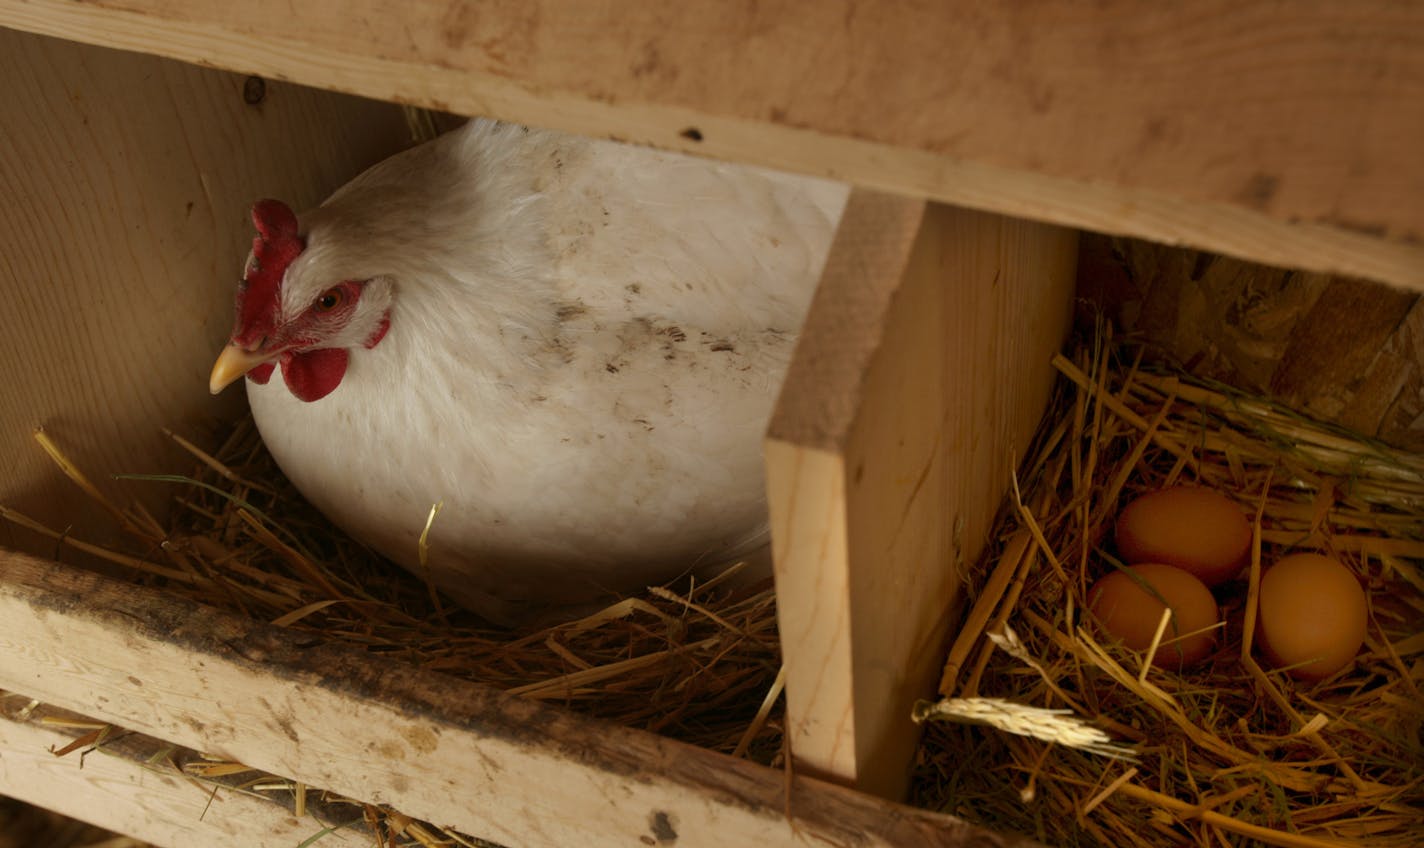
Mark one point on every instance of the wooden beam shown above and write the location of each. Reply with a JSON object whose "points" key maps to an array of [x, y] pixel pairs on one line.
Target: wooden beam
{"points": [[1283, 134], [115, 788], [433, 747], [922, 373]]}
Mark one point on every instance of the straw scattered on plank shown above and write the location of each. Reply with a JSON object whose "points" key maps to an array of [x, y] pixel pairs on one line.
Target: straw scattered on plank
{"points": [[695, 662]]}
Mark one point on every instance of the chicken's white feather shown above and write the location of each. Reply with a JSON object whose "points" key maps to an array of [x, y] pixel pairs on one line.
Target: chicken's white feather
{"points": [[585, 343]]}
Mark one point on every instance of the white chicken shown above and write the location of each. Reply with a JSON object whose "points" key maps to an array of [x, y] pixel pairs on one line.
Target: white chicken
{"points": [[573, 344]]}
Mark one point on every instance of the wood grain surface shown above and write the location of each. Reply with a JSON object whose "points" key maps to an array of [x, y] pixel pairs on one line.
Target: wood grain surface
{"points": [[1282, 132], [922, 372], [512, 770], [127, 785], [127, 181]]}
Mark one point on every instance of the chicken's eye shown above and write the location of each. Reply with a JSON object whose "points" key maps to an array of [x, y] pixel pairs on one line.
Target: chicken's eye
{"points": [[329, 300]]}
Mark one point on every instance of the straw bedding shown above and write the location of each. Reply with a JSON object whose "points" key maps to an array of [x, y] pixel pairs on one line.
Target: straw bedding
{"points": [[1230, 752]]}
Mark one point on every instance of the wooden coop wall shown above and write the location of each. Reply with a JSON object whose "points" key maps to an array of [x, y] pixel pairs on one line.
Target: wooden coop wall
{"points": [[1228, 139], [1345, 350], [126, 181]]}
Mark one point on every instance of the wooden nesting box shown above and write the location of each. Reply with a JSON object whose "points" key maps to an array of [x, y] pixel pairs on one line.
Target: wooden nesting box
{"points": [[980, 138]]}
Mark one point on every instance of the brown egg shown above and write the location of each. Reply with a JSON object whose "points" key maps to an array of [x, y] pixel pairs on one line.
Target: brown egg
{"points": [[1311, 616], [1130, 611], [1195, 529]]}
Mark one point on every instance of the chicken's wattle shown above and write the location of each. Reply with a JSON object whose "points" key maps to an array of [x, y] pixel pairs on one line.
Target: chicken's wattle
{"points": [[574, 344]]}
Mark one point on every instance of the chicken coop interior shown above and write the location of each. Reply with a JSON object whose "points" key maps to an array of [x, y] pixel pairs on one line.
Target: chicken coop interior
{"points": [[1082, 253]]}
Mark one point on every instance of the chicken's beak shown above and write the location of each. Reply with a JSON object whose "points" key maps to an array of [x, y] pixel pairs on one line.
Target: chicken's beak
{"points": [[232, 363]]}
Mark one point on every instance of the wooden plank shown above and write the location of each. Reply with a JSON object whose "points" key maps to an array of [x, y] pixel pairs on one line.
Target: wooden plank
{"points": [[1287, 135], [126, 183], [115, 788], [922, 372], [433, 747]]}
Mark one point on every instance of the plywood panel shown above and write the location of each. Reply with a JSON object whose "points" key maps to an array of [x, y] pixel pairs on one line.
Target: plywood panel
{"points": [[1288, 134], [922, 373], [126, 183], [433, 747]]}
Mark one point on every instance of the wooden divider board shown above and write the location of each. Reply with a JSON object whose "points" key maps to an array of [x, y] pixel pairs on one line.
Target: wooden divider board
{"points": [[922, 373], [436, 748], [1287, 134]]}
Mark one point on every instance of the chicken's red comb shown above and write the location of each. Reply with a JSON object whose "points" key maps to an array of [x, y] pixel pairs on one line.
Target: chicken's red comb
{"points": [[276, 245]]}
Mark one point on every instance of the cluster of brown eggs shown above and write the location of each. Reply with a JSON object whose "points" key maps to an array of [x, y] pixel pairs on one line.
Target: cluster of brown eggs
{"points": [[1180, 542]]}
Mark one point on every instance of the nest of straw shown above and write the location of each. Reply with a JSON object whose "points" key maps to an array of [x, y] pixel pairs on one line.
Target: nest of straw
{"points": [[1226, 753], [695, 662]]}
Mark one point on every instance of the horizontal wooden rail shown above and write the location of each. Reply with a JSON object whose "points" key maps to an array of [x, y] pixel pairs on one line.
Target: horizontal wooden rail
{"points": [[433, 747], [1287, 134], [127, 784]]}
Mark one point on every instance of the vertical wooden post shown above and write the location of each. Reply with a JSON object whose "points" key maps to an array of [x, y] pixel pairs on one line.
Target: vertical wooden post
{"points": [[921, 375]]}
